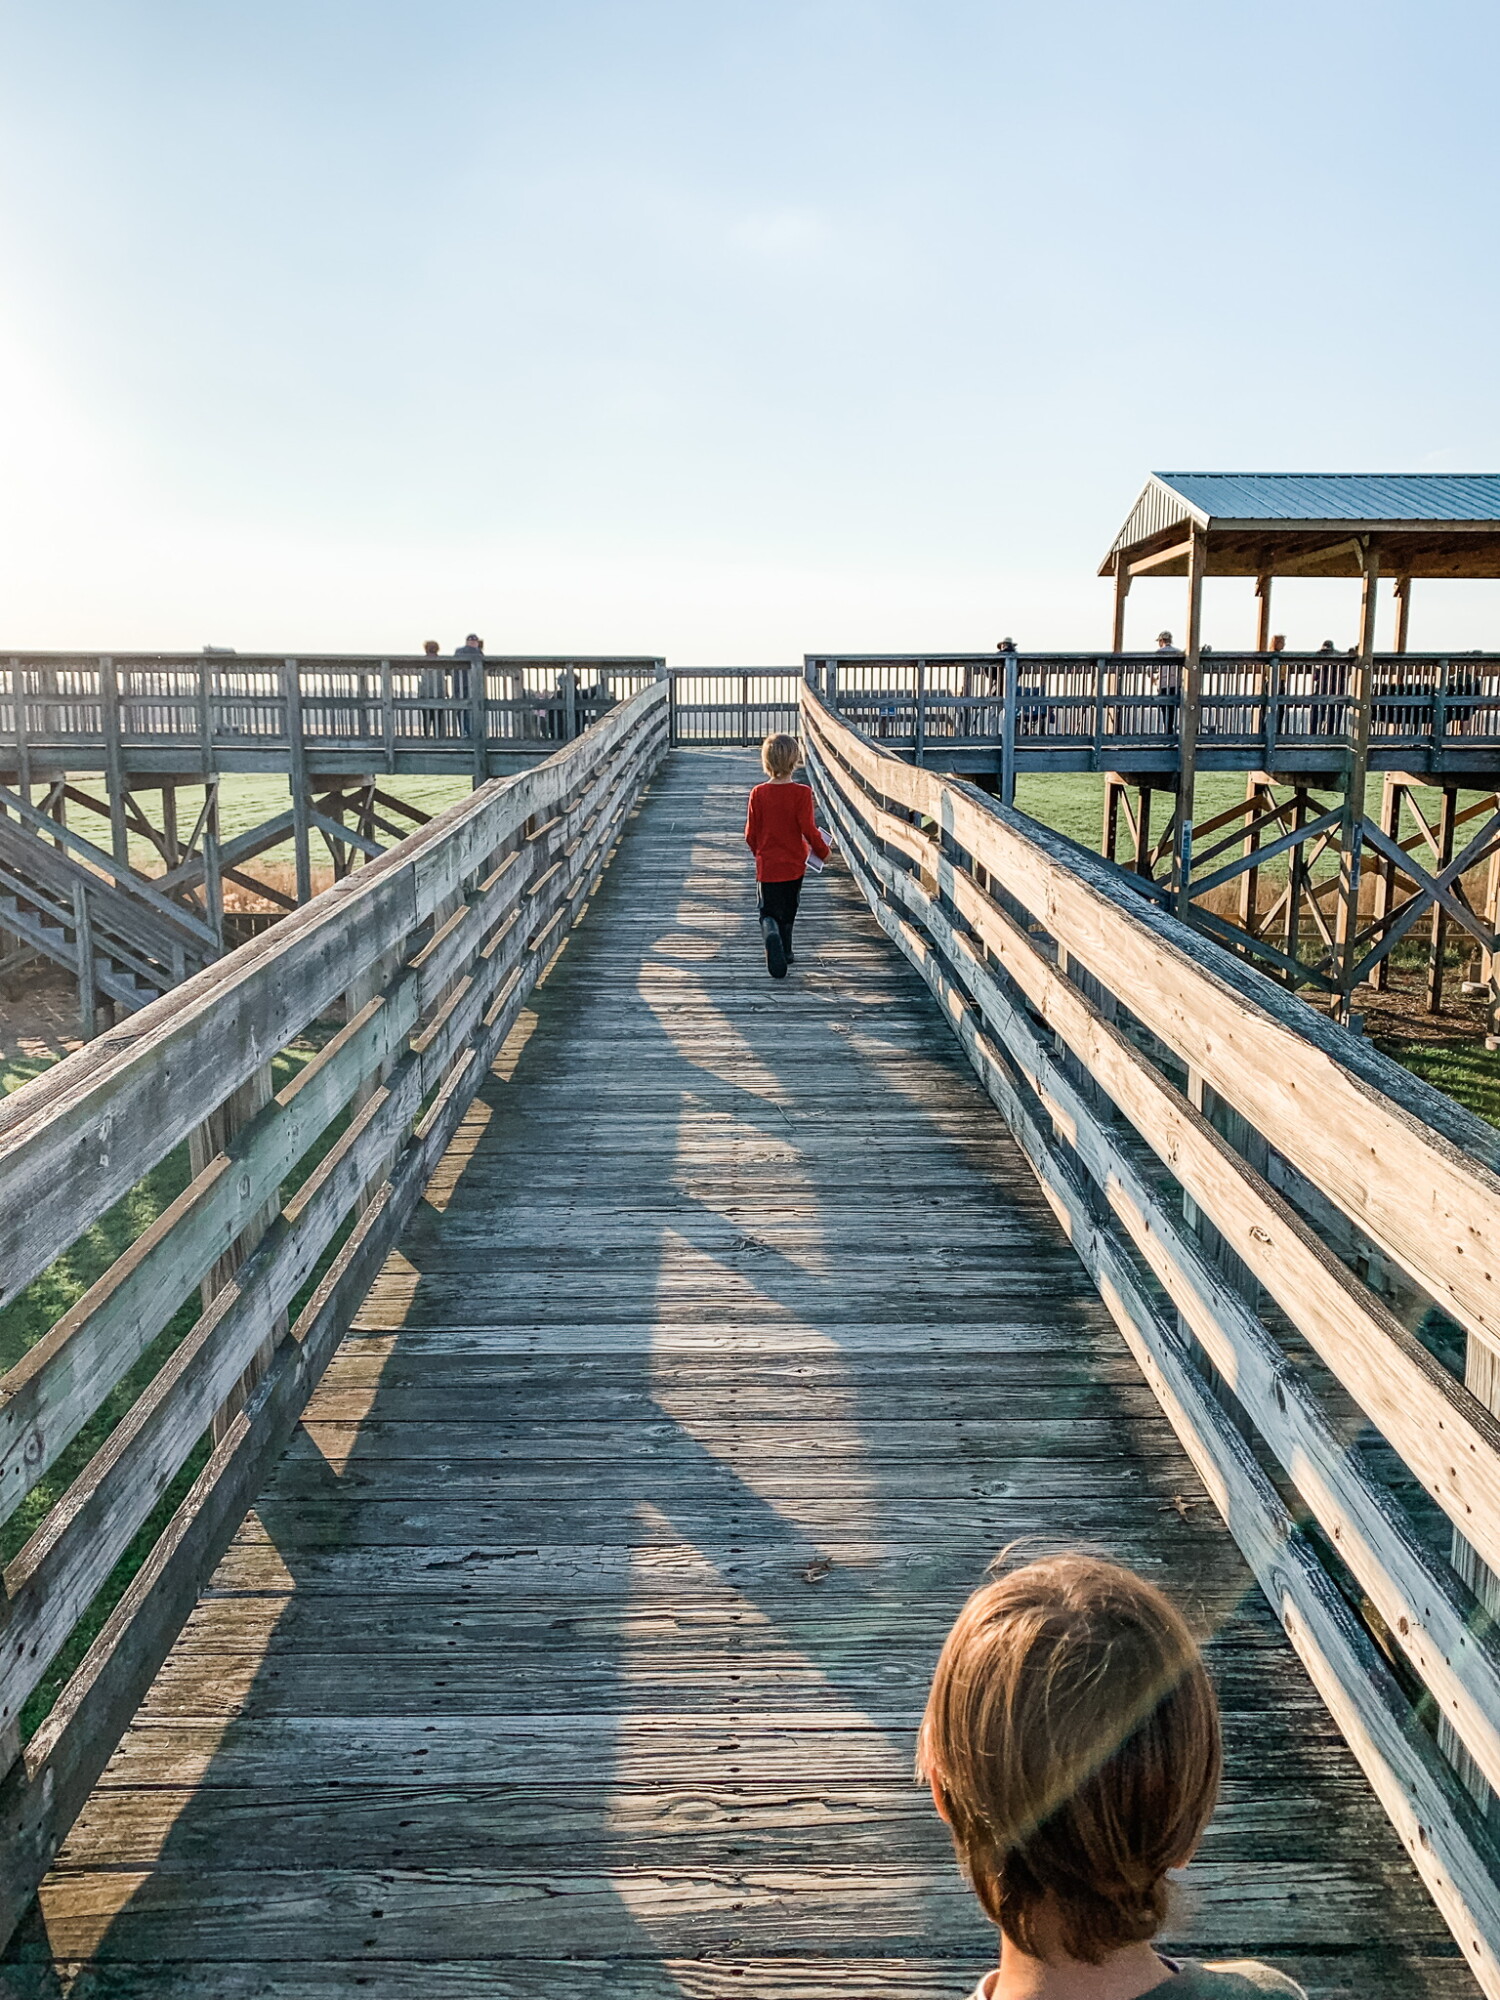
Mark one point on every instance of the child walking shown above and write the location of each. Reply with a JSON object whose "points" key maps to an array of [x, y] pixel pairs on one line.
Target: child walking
{"points": [[1071, 1741], [780, 831]]}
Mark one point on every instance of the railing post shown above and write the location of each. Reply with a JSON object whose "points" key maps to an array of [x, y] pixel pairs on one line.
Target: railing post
{"points": [[569, 679], [114, 759], [388, 714], [479, 717], [1008, 733], [291, 687], [1100, 668], [919, 729], [23, 734], [205, 1143]]}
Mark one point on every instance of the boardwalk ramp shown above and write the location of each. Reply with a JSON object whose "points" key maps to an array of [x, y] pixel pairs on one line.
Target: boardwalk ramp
{"points": [[557, 1584]]}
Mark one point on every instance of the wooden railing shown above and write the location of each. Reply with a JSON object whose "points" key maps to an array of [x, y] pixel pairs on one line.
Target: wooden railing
{"points": [[225, 712], [1097, 708], [427, 955], [1299, 1242], [126, 714]]}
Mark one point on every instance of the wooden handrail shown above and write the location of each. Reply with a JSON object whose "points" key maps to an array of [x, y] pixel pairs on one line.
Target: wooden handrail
{"points": [[468, 910], [1212, 1189]]}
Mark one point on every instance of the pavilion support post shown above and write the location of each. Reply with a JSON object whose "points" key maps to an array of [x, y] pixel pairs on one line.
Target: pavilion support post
{"points": [[1263, 618], [1122, 591], [1403, 612], [1346, 915], [1392, 799], [1189, 709], [1447, 820]]}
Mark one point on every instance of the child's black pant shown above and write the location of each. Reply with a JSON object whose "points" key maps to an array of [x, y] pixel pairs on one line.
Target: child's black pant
{"points": [[778, 901]]}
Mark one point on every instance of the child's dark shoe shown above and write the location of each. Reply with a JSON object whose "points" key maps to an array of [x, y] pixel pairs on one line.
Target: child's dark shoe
{"points": [[776, 955]]}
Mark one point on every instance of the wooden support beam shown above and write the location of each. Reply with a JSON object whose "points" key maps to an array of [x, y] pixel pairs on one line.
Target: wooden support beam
{"points": [[1179, 552], [114, 760], [1263, 619], [1142, 859], [1256, 797], [1346, 920], [1403, 611], [1393, 795], [1447, 820], [1113, 799], [1122, 591], [83, 944], [1297, 876], [1188, 713]]}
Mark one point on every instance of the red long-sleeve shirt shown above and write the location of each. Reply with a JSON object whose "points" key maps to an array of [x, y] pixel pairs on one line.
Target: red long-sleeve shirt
{"points": [[779, 829]]}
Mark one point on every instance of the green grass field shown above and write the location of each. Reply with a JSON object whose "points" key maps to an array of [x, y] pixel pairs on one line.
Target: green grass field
{"points": [[246, 801]]}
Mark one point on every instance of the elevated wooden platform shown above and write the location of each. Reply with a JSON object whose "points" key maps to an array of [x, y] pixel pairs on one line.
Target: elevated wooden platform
{"points": [[577, 1645]]}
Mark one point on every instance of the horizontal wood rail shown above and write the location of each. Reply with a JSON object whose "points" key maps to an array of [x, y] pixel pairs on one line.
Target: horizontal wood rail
{"points": [[1113, 711], [1268, 1209], [429, 953], [127, 714]]}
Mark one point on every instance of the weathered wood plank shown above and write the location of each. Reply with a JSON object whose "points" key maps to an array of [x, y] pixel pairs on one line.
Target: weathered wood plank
{"points": [[672, 1467], [392, 1913]]}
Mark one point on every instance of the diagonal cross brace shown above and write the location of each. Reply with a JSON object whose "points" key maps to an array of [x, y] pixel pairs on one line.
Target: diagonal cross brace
{"points": [[1431, 889]]}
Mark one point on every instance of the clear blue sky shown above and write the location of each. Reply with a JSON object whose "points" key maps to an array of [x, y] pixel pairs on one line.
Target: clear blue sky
{"points": [[723, 330]]}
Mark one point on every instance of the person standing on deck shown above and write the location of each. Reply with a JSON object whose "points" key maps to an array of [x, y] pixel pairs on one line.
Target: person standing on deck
{"points": [[780, 831], [473, 653], [1168, 681]]}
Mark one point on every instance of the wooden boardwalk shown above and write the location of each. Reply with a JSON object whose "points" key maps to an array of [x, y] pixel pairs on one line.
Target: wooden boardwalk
{"points": [[578, 1644]]}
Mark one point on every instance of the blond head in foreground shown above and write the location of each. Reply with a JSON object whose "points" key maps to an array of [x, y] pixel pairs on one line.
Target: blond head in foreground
{"points": [[1071, 1741]]}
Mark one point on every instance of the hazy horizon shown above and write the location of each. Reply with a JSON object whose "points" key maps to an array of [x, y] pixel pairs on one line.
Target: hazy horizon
{"points": [[727, 335]]}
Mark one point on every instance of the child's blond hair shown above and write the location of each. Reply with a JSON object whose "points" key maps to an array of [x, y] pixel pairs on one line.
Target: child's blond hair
{"points": [[780, 755], [1072, 1743]]}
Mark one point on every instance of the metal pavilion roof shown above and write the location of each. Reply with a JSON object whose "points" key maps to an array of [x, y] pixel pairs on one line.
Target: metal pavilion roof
{"points": [[1258, 520]]}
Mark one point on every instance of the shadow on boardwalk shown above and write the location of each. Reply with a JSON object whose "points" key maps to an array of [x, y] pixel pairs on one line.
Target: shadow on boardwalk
{"points": [[578, 1645]]}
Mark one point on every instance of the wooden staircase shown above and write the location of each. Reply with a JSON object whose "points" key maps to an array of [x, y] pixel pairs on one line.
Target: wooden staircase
{"points": [[73, 903]]}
